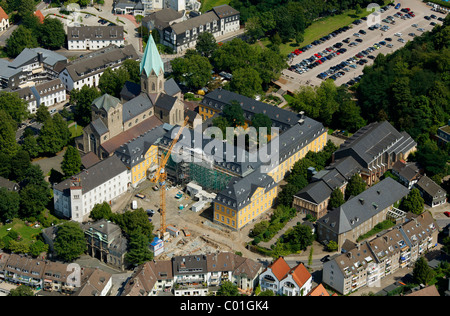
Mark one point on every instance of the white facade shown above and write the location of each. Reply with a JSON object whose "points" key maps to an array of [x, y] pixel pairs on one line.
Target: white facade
{"points": [[70, 84], [4, 24], [93, 44], [78, 205]]}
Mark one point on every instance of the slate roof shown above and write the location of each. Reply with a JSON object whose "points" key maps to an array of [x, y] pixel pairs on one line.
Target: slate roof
{"points": [[95, 175], [165, 102], [374, 139], [364, 206], [136, 106], [95, 33], [315, 192], [28, 54], [99, 127], [430, 187], [170, 87], [189, 24], [224, 10], [162, 17]]}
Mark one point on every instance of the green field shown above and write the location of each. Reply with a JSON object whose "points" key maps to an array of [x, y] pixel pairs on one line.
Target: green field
{"points": [[319, 29], [26, 232], [209, 4]]}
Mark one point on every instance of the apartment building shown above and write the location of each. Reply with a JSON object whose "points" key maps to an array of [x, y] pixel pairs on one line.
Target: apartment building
{"points": [[88, 69], [369, 262], [53, 276], [47, 94], [195, 275], [281, 279], [94, 37], [75, 197], [219, 21], [360, 214]]}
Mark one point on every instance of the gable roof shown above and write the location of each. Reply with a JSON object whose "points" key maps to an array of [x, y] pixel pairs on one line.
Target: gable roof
{"points": [[319, 291], [300, 274], [430, 187], [95, 33], [3, 14], [151, 61], [279, 268], [106, 102]]}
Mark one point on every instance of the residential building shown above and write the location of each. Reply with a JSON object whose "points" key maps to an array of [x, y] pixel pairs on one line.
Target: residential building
{"points": [[88, 69], [367, 263], [195, 275], [443, 134], [4, 20], [9, 185], [47, 94], [96, 283], [360, 214], [106, 242], [161, 19], [75, 197], [35, 65], [283, 280], [219, 21], [408, 173], [432, 193], [94, 37], [376, 147], [115, 122], [137, 7]]}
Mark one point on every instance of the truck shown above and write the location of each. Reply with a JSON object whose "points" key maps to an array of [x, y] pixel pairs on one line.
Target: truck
{"points": [[134, 205]]}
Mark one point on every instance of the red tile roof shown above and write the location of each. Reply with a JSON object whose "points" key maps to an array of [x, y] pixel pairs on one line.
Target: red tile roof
{"points": [[3, 14], [319, 291], [300, 274], [40, 16], [279, 268]]}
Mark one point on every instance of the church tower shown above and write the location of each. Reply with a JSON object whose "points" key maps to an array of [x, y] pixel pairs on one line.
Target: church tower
{"points": [[152, 69]]}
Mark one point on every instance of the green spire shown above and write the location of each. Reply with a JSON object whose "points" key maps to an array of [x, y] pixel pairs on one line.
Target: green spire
{"points": [[151, 59]]}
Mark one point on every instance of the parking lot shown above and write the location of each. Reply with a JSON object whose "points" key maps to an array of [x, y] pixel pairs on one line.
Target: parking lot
{"points": [[343, 55]]}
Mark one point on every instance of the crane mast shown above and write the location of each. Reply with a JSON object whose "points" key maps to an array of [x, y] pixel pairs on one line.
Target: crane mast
{"points": [[160, 177]]}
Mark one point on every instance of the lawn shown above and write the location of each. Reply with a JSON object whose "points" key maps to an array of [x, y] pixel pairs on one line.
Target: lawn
{"points": [[26, 232], [319, 29], [76, 130], [209, 4]]}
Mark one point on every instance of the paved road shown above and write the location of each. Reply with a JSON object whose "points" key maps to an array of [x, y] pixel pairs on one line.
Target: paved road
{"points": [[291, 81]]}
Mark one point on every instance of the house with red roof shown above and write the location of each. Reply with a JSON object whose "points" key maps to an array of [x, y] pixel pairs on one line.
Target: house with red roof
{"points": [[4, 20], [40, 16], [284, 280]]}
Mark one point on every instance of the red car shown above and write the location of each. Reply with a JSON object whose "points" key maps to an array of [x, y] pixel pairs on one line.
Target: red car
{"points": [[408, 9], [447, 214]]}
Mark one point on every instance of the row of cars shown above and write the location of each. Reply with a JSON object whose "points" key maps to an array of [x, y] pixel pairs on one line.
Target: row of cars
{"points": [[317, 59]]}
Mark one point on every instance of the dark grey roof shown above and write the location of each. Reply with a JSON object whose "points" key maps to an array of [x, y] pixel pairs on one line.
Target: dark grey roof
{"points": [[130, 90], [239, 191], [10, 185], [224, 10], [95, 33], [315, 192], [98, 61], [189, 24], [95, 175], [430, 187], [170, 87], [162, 17], [364, 206], [372, 140], [136, 106], [30, 55], [281, 118], [347, 166], [165, 102], [99, 126], [133, 152], [189, 265], [6, 70]]}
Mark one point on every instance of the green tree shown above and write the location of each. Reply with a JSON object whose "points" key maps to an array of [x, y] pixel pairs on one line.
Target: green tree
{"points": [[8, 144], [246, 81], [132, 220], [37, 248], [82, 99], [234, 114], [356, 185], [336, 199], [21, 290], [112, 81], [71, 163], [413, 203], [9, 204], [206, 44], [132, 67], [33, 200], [12, 104], [227, 288], [422, 273], [332, 246], [193, 70], [52, 34], [138, 251], [20, 39], [299, 237], [70, 242], [31, 146], [100, 211], [20, 164], [42, 114]]}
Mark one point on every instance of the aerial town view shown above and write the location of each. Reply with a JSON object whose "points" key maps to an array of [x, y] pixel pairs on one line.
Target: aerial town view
{"points": [[201, 149]]}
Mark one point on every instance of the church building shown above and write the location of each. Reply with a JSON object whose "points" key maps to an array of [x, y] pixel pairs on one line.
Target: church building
{"points": [[141, 108]]}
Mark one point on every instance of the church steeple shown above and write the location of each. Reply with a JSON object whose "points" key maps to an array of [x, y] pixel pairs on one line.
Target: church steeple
{"points": [[152, 69]]}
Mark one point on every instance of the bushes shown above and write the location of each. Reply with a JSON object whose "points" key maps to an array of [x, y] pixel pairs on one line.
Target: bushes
{"points": [[265, 230]]}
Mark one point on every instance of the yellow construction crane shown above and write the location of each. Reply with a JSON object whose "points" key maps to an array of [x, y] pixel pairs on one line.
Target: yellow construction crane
{"points": [[160, 177]]}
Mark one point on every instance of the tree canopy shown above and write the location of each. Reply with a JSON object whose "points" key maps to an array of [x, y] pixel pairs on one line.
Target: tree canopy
{"points": [[70, 242]]}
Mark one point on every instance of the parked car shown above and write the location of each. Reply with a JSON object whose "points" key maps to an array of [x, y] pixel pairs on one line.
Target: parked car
{"points": [[447, 213]]}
